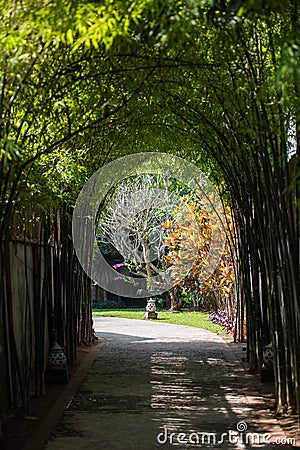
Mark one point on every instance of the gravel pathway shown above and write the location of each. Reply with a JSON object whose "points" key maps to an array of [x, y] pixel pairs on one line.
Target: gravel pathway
{"points": [[158, 386]]}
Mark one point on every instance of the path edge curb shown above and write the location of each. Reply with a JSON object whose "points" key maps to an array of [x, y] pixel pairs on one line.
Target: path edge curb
{"points": [[40, 435]]}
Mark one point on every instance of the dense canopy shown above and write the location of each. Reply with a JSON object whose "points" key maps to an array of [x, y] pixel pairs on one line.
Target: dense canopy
{"points": [[82, 83]]}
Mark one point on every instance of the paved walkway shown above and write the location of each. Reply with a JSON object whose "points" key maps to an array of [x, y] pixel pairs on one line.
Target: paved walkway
{"points": [[159, 386]]}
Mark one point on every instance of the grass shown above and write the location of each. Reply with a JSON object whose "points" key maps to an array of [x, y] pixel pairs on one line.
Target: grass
{"points": [[195, 319]]}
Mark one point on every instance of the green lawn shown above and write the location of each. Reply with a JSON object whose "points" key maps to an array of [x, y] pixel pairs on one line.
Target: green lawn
{"points": [[191, 319]]}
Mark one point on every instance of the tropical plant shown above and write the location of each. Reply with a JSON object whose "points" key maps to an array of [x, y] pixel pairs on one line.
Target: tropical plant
{"points": [[189, 244]]}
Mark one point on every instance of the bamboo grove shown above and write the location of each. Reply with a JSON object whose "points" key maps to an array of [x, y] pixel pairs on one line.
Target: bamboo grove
{"points": [[81, 84]]}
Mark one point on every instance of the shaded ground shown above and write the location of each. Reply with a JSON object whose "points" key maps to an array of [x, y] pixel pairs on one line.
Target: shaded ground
{"points": [[151, 380], [20, 428]]}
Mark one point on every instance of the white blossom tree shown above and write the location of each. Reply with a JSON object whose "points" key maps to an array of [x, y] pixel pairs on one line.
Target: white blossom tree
{"points": [[132, 223]]}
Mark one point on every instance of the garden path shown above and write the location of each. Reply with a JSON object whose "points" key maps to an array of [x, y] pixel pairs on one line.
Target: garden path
{"points": [[162, 386]]}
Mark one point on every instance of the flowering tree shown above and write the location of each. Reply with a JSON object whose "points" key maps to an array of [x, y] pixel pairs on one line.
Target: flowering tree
{"points": [[132, 223]]}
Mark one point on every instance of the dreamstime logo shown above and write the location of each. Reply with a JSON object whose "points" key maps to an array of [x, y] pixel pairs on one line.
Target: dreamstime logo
{"points": [[238, 436], [241, 426], [105, 181]]}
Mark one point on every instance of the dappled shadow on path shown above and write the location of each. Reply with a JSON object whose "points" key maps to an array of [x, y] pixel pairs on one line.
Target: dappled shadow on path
{"points": [[150, 390]]}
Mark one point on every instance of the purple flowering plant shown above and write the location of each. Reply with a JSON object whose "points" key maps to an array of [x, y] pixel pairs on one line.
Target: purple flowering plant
{"points": [[222, 319], [116, 266]]}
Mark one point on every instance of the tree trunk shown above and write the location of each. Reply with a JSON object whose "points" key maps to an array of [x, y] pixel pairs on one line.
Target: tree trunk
{"points": [[176, 305]]}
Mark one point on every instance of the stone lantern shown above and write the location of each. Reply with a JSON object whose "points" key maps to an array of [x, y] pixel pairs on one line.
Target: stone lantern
{"points": [[57, 363], [268, 355], [150, 309], [267, 370]]}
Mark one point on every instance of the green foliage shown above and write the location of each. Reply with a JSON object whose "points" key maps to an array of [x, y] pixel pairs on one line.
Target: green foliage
{"points": [[64, 173], [107, 304]]}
